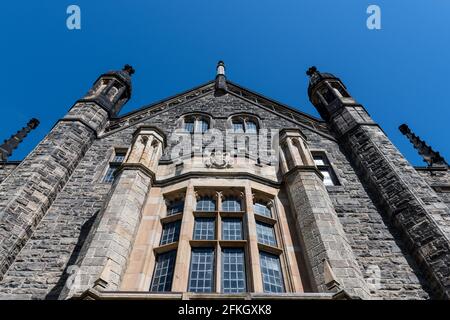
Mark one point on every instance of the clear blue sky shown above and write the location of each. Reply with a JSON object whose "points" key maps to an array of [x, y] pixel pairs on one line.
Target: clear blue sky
{"points": [[399, 73]]}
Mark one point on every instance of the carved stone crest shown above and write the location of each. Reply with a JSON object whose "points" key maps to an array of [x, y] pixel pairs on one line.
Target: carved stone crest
{"points": [[218, 159]]}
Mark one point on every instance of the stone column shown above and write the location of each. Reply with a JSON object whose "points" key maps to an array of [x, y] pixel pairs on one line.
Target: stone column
{"points": [[331, 259], [408, 201], [252, 239], [182, 262], [29, 191], [106, 256]]}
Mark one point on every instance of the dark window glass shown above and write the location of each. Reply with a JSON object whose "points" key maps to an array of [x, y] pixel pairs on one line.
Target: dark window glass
{"points": [[170, 233], [233, 270], [175, 207], [201, 277], [109, 176], [163, 275]]}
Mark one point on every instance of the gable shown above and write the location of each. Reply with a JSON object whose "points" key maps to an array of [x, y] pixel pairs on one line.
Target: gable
{"points": [[202, 99]]}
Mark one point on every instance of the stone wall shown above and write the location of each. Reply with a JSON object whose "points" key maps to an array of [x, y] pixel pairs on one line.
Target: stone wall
{"points": [[6, 168], [439, 180]]}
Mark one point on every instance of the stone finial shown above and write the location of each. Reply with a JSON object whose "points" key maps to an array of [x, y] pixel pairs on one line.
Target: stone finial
{"points": [[13, 142], [128, 69], [220, 68], [431, 157], [312, 70], [221, 81]]}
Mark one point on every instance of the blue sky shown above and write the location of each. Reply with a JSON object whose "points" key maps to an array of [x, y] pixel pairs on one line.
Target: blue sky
{"points": [[399, 73]]}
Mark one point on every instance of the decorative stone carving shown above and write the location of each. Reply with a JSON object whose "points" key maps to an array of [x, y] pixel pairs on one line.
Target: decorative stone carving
{"points": [[219, 160]]}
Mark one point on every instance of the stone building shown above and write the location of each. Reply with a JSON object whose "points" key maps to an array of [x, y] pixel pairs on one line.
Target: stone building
{"points": [[221, 192]]}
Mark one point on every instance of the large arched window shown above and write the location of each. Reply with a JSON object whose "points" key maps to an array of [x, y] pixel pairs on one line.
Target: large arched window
{"points": [[244, 124], [196, 123]]}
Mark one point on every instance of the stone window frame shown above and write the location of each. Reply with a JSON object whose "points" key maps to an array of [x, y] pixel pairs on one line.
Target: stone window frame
{"points": [[329, 166]]}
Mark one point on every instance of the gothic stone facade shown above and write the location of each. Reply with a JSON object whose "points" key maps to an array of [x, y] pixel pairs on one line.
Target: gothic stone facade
{"points": [[101, 209]]}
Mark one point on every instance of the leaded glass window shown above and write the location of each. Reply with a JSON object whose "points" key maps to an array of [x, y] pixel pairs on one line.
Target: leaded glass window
{"points": [[271, 272], [109, 176], [163, 274], [170, 233], [266, 234], [231, 204], [206, 204], [201, 276], [262, 209], [233, 270], [231, 229], [204, 229]]}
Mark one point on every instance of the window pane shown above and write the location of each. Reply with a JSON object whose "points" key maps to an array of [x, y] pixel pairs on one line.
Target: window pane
{"points": [[175, 207], [189, 126], [204, 229], [231, 229], [319, 160], [238, 127], [233, 270], [109, 176], [262, 209], [206, 204], [203, 126], [327, 180], [170, 233], [266, 234], [251, 127], [162, 277], [201, 277], [231, 204], [119, 157], [271, 272]]}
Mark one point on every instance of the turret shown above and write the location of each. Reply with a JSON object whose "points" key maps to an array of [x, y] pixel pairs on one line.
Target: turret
{"points": [[327, 93], [111, 90]]}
